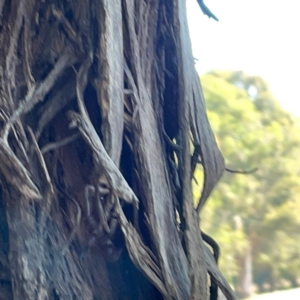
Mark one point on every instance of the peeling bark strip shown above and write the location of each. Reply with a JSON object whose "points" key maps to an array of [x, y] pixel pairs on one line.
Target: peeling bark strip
{"points": [[203, 137], [192, 235], [114, 217], [103, 162], [15, 173], [149, 158], [217, 276], [111, 83]]}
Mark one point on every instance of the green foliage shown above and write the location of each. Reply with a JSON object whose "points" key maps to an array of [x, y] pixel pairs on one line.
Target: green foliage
{"points": [[263, 208]]}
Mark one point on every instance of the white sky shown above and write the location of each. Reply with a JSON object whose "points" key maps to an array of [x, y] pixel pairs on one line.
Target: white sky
{"points": [[260, 37]]}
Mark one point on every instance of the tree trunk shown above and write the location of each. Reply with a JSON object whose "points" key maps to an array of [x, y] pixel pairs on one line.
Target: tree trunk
{"points": [[99, 101], [245, 280]]}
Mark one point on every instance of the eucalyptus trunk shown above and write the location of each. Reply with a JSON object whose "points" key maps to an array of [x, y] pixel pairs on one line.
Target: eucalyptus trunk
{"points": [[102, 124]]}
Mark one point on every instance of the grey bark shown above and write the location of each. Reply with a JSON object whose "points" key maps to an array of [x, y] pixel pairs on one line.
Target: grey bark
{"points": [[100, 110]]}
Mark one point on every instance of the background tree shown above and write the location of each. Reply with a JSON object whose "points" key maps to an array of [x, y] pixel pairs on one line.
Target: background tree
{"points": [[100, 104], [254, 217]]}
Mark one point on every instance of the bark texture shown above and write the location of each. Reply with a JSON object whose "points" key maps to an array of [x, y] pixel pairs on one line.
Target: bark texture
{"points": [[102, 123]]}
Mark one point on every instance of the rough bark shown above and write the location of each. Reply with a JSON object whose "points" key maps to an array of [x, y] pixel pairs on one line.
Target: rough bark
{"points": [[100, 106]]}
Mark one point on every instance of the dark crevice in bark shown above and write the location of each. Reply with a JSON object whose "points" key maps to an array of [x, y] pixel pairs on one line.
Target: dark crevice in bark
{"points": [[5, 276]]}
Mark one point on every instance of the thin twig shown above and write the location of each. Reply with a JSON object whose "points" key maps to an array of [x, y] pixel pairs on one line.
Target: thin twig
{"points": [[41, 160], [173, 146], [67, 27], [48, 192], [195, 158], [251, 171], [246, 172], [55, 104], [4, 117], [27, 45], [58, 144], [131, 82], [11, 60], [37, 92], [81, 82]]}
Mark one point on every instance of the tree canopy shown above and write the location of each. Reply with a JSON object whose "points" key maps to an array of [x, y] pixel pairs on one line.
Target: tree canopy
{"points": [[258, 210]]}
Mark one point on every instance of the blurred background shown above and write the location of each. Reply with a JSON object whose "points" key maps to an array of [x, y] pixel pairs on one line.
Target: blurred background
{"points": [[249, 65]]}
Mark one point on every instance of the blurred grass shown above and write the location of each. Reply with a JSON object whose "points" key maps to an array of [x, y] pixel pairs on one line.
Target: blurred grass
{"points": [[293, 294]]}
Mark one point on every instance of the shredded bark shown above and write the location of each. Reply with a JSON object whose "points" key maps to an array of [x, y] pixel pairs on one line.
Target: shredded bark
{"points": [[100, 106]]}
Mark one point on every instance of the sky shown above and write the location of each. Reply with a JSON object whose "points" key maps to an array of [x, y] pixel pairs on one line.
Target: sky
{"points": [[259, 37]]}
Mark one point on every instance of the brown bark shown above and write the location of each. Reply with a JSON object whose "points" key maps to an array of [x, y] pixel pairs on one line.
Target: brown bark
{"points": [[99, 104]]}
